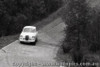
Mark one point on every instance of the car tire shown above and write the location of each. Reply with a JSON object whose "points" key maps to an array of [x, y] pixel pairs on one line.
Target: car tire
{"points": [[35, 41], [21, 42]]}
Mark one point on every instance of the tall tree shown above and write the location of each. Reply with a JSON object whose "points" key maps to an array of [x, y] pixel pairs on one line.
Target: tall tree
{"points": [[77, 18], [93, 32]]}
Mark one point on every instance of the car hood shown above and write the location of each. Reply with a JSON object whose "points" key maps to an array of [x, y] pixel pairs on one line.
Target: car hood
{"points": [[29, 34]]}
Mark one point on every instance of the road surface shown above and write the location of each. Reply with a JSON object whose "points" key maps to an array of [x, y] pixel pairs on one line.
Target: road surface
{"points": [[42, 54]]}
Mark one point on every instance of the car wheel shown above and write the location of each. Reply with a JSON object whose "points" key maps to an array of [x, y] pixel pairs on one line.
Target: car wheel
{"points": [[35, 41], [21, 42]]}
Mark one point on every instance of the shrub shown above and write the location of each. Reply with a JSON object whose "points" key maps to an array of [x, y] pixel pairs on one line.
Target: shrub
{"points": [[77, 17], [91, 59]]}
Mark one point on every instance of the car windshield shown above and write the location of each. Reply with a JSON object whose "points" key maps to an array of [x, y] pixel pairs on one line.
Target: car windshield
{"points": [[28, 30]]}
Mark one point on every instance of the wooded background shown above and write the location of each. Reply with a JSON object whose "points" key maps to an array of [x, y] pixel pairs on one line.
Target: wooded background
{"points": [[14, 14]]}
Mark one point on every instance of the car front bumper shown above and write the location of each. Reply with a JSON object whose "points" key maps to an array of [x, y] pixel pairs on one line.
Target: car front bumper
{"points": [[28, 41]]}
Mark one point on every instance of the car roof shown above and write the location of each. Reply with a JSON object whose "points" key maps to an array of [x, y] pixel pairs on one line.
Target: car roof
{"points": [[30, 27]]}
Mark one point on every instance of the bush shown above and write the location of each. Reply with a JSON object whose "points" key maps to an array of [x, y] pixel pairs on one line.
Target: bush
{"points": [[77, 56], [82, 32], [91, 59], [77, 17]]}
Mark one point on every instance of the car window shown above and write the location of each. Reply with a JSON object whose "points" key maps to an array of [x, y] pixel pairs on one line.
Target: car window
{"points": [[29, 30]]}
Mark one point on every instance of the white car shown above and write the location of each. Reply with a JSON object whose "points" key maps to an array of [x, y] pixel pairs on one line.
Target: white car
{"points": [[28, 34]]}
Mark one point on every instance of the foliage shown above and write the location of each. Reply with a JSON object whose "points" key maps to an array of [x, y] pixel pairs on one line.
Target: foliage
{"points": [[77, 18], [82, 31], [14, 14], [91, 59], [93, 33], [55, 5]]}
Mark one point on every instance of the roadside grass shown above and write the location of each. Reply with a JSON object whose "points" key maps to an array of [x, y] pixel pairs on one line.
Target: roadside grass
{"points": [[5, 40]]}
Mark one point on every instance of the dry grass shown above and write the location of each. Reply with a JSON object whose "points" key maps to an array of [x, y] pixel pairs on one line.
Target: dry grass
{"points": [[5, 40]]}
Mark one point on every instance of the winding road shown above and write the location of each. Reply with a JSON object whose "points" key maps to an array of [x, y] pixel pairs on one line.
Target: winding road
{"points": [[43, 54]]}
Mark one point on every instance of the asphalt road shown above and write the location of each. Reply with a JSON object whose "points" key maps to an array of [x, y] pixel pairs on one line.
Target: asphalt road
{"points": [[42, 54]]}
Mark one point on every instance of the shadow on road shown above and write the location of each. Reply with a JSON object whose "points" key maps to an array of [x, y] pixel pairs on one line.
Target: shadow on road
{"points": [[30, 44]]}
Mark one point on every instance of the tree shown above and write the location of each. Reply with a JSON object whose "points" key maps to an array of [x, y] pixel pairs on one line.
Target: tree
{"points": [[77, 18], [93, 33]]}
